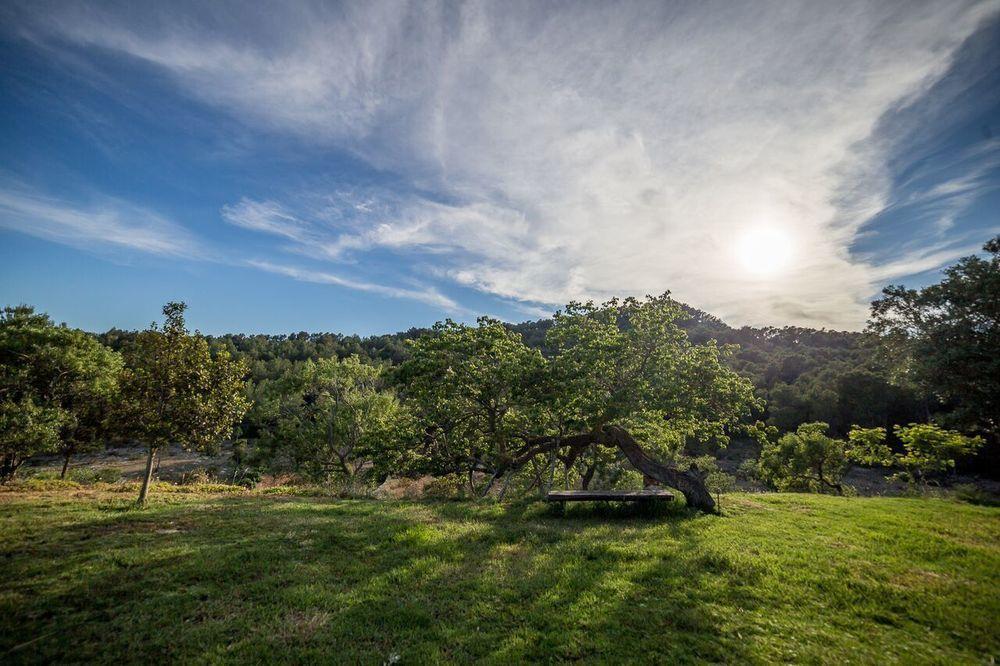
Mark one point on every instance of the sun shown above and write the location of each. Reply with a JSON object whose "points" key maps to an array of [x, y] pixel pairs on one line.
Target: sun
{"points": [[764, 251]]}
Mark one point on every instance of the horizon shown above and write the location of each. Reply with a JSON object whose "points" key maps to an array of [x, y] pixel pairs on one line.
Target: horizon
{"points": [[366, 169]]}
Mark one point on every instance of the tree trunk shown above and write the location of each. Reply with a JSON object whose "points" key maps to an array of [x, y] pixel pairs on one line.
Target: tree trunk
{"points": [[144, 491], [588, 476], [690, 482], [506, 483], [65, 466], [552, 474], [9, 465]]}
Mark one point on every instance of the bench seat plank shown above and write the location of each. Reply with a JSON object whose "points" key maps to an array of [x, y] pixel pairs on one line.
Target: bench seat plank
{"points": [[647, 495]]}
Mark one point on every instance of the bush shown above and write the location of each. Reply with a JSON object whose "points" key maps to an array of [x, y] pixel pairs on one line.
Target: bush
{"points": [[195, 476], [248, 477], [198, 488], [448, 487], [41, 474], [930, 449], [806, 460], [36, 483]]}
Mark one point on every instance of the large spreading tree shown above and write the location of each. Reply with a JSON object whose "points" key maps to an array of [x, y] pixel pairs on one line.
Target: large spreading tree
{"points": [[174, 391], [615, 369]]}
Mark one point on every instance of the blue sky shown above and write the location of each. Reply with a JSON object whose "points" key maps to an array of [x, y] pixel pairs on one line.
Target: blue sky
{"points": [[369, 167]]}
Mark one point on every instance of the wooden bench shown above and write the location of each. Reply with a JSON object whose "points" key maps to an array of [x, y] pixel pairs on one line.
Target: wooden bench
{"points": [[646, 495]]}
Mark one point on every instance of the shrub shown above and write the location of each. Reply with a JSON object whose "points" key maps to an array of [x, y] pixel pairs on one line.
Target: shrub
{"points": [[248, 477], [449, 487], [930, 449], [195, 476], [868, 446], [806, 460], [35, 483]]}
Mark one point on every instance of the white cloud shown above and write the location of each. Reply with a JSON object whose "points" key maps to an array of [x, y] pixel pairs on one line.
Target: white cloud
{"points": [[267, 217], [920, 261], [113, 224], [427, 295], [106, 223], [587, 150]]}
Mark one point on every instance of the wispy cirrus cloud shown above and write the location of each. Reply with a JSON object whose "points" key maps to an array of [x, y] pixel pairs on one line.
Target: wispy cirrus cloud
{"points": [[267, 217], [108, 224], [576, 151], [427, 295], [102, 223]]}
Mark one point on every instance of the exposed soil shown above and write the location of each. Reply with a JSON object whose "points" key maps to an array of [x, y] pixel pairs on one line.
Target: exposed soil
{"points": [[174, 462], [171, 462]]}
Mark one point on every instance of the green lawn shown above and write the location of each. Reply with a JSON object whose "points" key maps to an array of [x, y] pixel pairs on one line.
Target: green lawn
{"points": [[245, 578]]}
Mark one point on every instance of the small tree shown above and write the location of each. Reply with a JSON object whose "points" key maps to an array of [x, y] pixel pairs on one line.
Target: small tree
{"points": [[26, 429], [336, 417], [472, 387], [175, 391], [930, 449], [719, 482], [51, 375], [807, 459]]}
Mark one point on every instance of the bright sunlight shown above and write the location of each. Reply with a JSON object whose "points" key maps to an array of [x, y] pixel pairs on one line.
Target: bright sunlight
{"points": [[764, 251]]}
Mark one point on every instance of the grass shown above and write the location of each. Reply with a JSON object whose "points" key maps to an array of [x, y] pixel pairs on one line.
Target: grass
{"points": [[209, 578]]}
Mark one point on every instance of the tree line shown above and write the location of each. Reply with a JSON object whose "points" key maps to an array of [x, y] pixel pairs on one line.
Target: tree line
{"points": [[583, 397]]}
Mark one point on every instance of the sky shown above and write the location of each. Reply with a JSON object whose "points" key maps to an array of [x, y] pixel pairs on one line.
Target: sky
{"points": [[366, 167]]}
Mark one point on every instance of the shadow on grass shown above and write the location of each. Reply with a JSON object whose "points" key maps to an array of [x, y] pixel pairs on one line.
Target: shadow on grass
{"points": [[259, 579]]}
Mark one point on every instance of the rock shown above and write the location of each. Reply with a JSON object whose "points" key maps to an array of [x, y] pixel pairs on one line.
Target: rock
{"points": [[403, 488]]}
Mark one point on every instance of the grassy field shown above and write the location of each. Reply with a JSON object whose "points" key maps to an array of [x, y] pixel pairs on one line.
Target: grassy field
{"points": [[244, 578]]}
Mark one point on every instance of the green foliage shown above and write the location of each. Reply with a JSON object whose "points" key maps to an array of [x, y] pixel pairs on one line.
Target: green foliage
{"points": [[485, 399], [945, 338], [807, 459], [972, 494], [475, 389], [630, 361], [332, 419], [719, 483], [868, 447], [175, 391], [26, 430], [101, 475], [56, 387], [930, 449]]}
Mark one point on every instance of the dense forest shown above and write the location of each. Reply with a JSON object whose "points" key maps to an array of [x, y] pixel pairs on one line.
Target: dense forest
{"points": [[803, 374]]}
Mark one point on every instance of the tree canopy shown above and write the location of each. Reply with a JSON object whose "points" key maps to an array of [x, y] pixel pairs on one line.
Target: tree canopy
{"points": [[56, 384], [945, 338], [331, 418], [491, 403]]}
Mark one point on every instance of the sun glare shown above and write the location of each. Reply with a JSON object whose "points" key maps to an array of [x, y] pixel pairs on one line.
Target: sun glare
{"points": [[764, 251]]}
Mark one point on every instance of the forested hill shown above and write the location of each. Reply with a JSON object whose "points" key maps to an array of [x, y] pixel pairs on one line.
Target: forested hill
{"points": [[805, 374]]}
